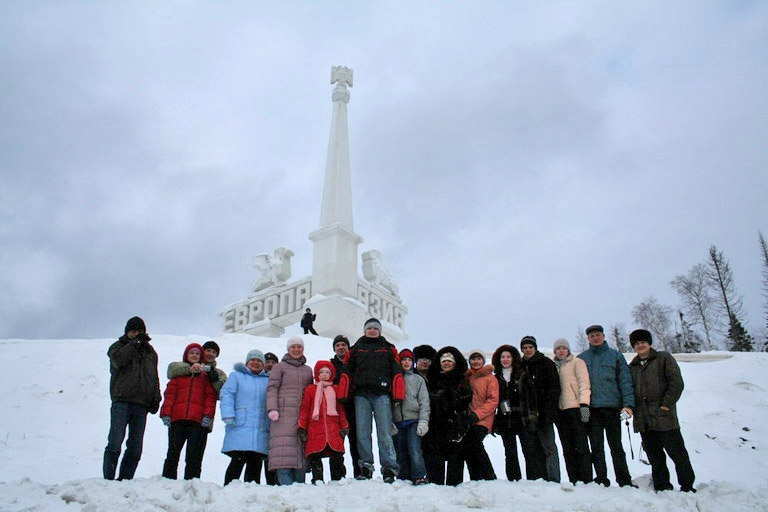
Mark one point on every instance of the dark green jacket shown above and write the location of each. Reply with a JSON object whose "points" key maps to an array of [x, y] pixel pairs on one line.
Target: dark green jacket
{"points": [[657, 382], [134, 373]]}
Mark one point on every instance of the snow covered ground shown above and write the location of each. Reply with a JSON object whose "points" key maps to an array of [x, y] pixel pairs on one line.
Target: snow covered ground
{"points": [[55, 422]]}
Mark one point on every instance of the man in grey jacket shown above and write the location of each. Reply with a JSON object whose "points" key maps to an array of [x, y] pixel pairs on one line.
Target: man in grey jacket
{"points": [[658, 386]]}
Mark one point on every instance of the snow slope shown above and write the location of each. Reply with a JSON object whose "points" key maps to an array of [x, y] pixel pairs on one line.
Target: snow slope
{"points": [[54, 429]]}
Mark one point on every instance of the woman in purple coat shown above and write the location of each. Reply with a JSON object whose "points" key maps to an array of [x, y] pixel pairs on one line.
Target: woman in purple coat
{"points": [[287, 381]]}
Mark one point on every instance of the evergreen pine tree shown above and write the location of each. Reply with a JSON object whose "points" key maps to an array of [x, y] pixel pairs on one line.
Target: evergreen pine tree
{"points": [[740, 339], [690, 341], [720, 275], [619, 339]]}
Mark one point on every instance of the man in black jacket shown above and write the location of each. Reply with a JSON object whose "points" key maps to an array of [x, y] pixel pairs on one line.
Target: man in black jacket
{"points": [[340, 349], [538, 438], [134, 387], [307, 320]]}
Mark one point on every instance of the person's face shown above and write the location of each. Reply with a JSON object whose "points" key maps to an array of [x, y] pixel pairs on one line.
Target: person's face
{"points": [[296, 351], [210, 355], [642, 348], [255, 365], [372, 332], [561, 353], [446, 365], [528, 351], [476, 362], [132, 333], [406, 363], [506, 359], [423, 363], [596, 338], [340, 348], [324, 374], [193, 356], [268, 365]]}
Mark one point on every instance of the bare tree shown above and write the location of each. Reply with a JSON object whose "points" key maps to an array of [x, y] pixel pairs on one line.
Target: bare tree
{"points": [[656, 318], [618, 335], [581, 341], [730, 303], [698, 302]]}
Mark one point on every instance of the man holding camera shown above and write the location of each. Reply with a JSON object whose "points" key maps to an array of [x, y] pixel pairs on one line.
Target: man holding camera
{"points": [[135, 390]]}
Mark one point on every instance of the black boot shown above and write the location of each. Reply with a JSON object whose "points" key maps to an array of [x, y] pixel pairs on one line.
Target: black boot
{"points": [[316, 465]]}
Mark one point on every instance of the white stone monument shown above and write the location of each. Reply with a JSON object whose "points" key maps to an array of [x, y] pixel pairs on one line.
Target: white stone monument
{"points": [[342, 300]]}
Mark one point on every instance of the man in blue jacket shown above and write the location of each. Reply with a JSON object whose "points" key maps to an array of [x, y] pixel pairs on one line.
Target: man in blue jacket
{"points": [[613, 399]]}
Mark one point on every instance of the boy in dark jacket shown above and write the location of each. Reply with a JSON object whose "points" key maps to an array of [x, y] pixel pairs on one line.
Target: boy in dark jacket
{"points": [[134, 387], [658, 386]]}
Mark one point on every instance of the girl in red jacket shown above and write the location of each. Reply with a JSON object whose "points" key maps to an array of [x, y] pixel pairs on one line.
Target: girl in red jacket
{"points": [[323, 423], [189, 405]]}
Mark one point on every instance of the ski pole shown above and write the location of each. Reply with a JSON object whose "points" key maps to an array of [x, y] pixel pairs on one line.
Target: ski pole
{"points": [[629, 435]]}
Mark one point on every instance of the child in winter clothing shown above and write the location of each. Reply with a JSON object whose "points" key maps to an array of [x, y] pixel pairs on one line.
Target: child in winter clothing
{"points": [[188, 409], [323, 423], [411, 416]]}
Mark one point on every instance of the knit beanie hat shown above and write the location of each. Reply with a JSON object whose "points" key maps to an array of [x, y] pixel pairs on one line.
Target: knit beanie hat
{"points": [[561, 342], [529, 340], [269, 356], [294, 340], [640, 335], [447, 356], [372, 323], [424, 352], [476, 352], [405, 353], [135, 324], [211, 344], [254, 354], [340, 339], [593, 328]]}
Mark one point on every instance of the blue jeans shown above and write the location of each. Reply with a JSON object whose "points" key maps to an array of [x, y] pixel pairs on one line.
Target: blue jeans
{"points": [[368, 407], [134, 417], [409, 456], [290, 476]]}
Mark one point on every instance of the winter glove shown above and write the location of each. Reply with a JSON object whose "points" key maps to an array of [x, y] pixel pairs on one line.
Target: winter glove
{"points": [[228, 421], [273, 415], [302, 434], [584, 413], [473, 418], [207, 421], [154, 408], [143, 338], [166, 421], [422, 428], [344, 432]]}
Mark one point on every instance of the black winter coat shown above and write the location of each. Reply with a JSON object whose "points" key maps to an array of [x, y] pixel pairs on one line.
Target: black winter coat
{"points": [[546, 384], [449, 399], [657, 382], [134, 378]]}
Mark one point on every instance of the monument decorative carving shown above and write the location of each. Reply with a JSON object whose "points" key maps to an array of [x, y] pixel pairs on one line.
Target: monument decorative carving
{"points": [[275, 270], [375, 272]]}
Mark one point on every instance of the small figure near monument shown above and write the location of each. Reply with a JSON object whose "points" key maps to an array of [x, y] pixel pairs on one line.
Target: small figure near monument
{"points": [[307, 320], [275, 270]]}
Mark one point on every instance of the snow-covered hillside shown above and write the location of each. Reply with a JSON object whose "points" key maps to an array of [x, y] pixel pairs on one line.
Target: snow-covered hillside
{"points": [[56, 419]]}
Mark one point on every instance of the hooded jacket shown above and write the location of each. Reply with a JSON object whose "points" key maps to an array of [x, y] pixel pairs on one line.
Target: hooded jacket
{"points": [[450, 397], [190, 397], [485, 395], [326, 430], [244, 398]]}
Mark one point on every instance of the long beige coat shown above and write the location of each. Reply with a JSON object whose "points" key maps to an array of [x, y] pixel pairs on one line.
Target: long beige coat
{"points": [[574, 383]]}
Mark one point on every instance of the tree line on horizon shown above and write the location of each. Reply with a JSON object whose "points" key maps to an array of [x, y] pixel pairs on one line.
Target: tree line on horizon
{"points": [[710, 315]]}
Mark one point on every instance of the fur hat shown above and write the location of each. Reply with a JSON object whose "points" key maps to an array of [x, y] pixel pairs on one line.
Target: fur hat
{"points": [[447, 356], [211, 344], [254, 354], [294, 340], [190, 347], [135, 324], [561, 342], [476, 351], [340, 339], [593, 328], [529, 340], [269, 356], [405, 353], [424, 352], [640, 335], [372, 323]]}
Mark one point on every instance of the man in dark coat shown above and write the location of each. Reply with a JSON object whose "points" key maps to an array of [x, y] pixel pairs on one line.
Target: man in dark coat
{"points": [[538, 439], [134, 387], [340, 349], [307, 320], [658, 386]]}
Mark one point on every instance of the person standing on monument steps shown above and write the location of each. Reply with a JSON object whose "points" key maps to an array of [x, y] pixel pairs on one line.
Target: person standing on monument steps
{"points": [[307, 320], [612, 400], [377, 381], [134, 387]]}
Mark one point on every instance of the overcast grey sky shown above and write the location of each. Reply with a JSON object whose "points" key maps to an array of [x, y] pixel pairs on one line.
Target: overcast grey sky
{"points": [[524, 167]]}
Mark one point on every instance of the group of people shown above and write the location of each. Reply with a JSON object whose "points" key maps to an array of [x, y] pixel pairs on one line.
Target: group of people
{"points": [[432, 410]]}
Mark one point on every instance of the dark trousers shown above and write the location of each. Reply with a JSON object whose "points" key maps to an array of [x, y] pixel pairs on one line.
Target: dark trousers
{"points": [[336, 464], [473, 451], [133, 417], [309, 329], [604, 423], [191, 433], [445, 469], [252, 461], [540, 452], [573, 439], [511, 458], [655, 443]]}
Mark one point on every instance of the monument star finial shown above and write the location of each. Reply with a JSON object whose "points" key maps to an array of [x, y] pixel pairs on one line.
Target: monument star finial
{"points": [[341, 75]]}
